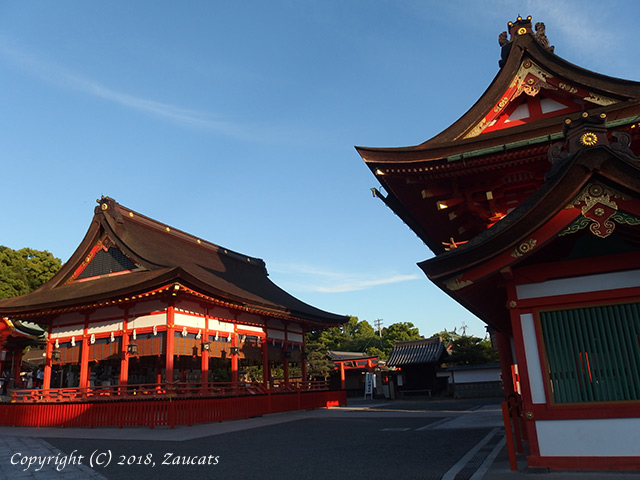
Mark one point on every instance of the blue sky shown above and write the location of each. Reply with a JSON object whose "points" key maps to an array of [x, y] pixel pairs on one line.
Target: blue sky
{"points": [[236, 122]]}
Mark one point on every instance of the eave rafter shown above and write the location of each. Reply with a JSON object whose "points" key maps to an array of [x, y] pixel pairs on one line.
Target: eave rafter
{"points": [[598, 208]]}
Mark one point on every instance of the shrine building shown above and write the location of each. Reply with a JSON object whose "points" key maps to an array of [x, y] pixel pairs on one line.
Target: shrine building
{"points": [[530, 203], [142, 309]]}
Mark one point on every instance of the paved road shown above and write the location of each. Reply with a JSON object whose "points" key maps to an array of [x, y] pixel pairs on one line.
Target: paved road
{"points": [[428, 439]]}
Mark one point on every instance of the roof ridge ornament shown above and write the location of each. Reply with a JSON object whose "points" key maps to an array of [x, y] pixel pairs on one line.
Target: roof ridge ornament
{"points": [[518, 28], [584, 132]]}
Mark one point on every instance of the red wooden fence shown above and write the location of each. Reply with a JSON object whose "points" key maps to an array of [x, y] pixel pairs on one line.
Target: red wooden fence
{"points": [[167, 412]]}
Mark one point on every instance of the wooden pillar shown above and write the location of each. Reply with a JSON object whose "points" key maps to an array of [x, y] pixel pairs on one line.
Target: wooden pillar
{"points": [[171, 326], [285, 364], [84, 356], [303, 361], [17, 368], [46, 382], [343, 382], [124, 350], [506, 361], [266, 370], [204, 363], [234, 357]]}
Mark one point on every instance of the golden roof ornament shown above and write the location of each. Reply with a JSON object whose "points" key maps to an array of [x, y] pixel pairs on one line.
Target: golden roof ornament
{"points": [[521, 26]]}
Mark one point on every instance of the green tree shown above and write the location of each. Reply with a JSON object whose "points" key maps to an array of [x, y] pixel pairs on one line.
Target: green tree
{"points": [[24, 270], [467, 350], [472, 351], [318, 364], [359, 336], [353, 336]]}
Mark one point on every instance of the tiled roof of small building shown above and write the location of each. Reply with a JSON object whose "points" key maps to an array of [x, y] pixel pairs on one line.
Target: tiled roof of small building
{"points": [[341, 356], [413, 352]]}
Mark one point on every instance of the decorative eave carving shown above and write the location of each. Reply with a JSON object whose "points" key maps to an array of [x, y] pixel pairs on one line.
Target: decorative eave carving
{"points": [[599, 211], [456, 283]]}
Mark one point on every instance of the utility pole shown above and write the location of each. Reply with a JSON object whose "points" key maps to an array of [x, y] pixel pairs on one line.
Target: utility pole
{"points": [[378, 324]]}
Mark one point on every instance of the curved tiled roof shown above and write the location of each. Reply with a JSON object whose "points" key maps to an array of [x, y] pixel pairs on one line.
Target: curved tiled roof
{"points": [[160, 255], [413, 352]]}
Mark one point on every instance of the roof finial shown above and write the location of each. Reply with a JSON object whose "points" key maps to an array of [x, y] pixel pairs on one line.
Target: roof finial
{"points": [[541, 37]]}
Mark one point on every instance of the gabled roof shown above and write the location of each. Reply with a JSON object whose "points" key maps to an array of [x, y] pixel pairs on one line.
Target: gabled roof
{"points": [[415, 352], [125, 253], [470, 176]]}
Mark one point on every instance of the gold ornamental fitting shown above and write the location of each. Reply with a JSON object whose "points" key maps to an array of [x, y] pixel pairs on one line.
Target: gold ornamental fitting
{"points": [[589, 139]]}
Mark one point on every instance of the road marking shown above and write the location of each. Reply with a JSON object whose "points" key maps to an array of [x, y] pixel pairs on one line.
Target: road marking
{"points": [[489, 460], [437, 424], [460, 464]]}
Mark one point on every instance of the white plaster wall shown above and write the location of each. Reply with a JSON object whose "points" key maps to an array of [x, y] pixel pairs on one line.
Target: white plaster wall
{"points": [[250, 328], [106, 326], [294, 337], [220, 326], [148, 320], [277, 334], [589, 283], [534, 369], [614, 437], [189, 320], [67, 331]]}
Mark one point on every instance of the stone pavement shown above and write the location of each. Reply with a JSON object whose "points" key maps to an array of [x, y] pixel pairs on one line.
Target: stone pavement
{"points": [[426, 439]]}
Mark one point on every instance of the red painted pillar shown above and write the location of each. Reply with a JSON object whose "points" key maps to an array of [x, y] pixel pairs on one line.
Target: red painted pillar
{"points": [[170, 343], [234, 358], [506, 361], [124, 350], [303, 362], [17, 368], [343, 381], [46, 382], [285, 364], [266, 370], [84, 357], [204, 356]]}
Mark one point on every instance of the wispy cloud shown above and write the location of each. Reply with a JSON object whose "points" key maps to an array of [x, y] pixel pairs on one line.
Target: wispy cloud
{"points": [[54, 74], [585, 28], [314, 279]]}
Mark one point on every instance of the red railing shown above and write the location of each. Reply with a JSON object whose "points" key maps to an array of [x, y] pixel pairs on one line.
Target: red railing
{"points": [[158, 390], [179, 404]]}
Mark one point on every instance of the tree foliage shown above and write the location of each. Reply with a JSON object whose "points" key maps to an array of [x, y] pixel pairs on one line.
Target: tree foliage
{"points": [[467, 350], [24, 270], [360, 336]]}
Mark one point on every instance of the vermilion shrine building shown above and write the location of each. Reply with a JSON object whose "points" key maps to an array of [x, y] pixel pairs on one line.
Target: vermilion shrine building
{"points": [[144, 309], [531, 204]]}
